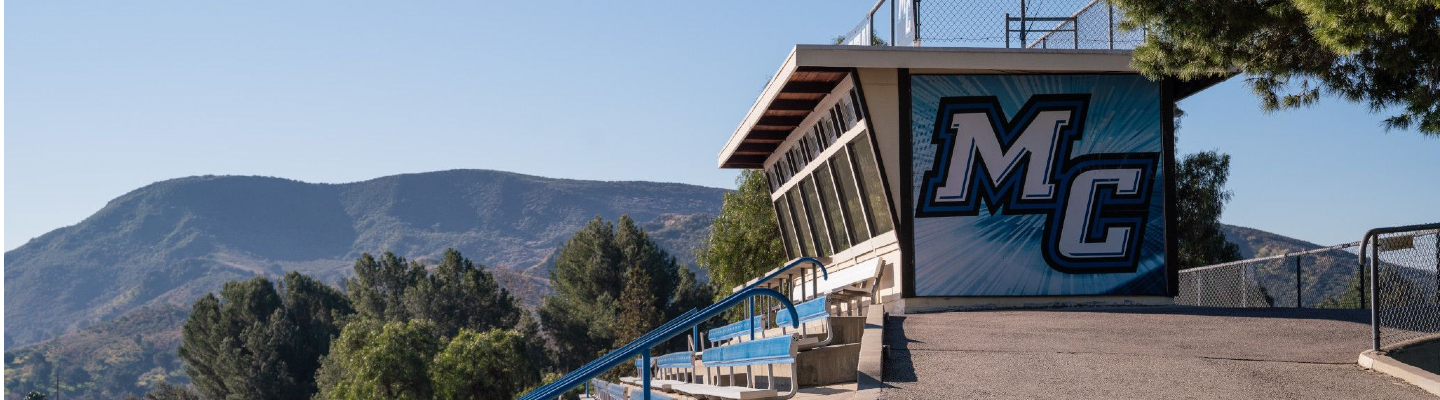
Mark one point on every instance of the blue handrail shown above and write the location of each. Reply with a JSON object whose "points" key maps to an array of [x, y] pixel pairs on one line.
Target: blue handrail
{"points": [[642, 345]]}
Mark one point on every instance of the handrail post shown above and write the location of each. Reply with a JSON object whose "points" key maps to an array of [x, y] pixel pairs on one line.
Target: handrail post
{"points": [[1374, 293], [750, 316], [645, 361]]}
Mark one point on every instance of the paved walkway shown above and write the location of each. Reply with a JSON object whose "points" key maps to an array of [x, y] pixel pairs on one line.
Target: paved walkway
{"points": [[1140, 352]]}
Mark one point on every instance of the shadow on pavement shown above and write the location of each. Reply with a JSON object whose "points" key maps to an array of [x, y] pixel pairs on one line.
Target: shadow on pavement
{"points": [[898, 365], [1344, 315]]}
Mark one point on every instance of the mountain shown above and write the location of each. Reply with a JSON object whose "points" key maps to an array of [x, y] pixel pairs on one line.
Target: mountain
{"points": [[170, 242], [1324, 274]]}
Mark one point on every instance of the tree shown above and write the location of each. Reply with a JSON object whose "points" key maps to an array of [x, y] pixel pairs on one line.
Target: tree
{"points": [[1383, 53], [580, 312], [1200, 199], [167, 391], [378, 288], [252, 342], [582, 315], [490, 365], [35, 395], [637, 307], [371, 360], [745, 238], [458, 294]]}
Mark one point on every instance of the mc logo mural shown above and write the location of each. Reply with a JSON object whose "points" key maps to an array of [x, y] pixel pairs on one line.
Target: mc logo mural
{"points": [[1067, 185]]}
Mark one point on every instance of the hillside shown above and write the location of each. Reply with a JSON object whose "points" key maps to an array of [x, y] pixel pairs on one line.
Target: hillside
{"points": [[1324, 274], [169, 242]]}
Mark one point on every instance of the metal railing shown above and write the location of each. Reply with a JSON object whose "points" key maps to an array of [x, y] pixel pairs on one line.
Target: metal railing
{"points": [[1320, 278], [1078, 24], [688, 322], [1405, 290]]}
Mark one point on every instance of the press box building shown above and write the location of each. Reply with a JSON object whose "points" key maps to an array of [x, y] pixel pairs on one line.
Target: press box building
{"points": [[972, 177]]}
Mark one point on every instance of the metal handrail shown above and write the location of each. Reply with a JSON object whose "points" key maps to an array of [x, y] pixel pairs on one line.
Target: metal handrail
{"points": [[641, 347], [1375, 269]]}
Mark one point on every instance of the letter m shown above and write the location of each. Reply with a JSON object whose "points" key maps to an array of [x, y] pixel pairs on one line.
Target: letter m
{"points": [[1007, 163]]}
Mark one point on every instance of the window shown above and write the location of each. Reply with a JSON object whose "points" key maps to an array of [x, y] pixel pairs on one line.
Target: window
{"points": [[825, 188], [850, 196], [787, 235], [802, 228], [870, 184], [816, 216]]}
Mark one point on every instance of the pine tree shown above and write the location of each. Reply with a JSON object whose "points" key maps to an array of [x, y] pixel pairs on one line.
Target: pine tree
{"points": [[458, 294], [1383, 53], [250, 342]]}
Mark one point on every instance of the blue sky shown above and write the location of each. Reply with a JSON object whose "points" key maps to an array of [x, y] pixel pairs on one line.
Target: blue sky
{"points": [[106, 97]]}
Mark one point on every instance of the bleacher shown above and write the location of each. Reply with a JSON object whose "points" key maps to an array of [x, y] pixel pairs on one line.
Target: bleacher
{"points": [[741, 360]]}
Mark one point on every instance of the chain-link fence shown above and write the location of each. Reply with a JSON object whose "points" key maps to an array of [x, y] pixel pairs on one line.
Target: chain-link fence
{"points": [[1092, 27], [1327, 277], [1070, 24], [1406, 288]]}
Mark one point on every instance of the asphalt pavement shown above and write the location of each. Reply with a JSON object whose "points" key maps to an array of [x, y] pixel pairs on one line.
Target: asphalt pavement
{"points": [[1135, 352]]}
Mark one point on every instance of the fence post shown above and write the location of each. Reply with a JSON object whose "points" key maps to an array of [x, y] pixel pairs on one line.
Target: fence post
{"points": [[1023, 26], [1361, 273], [1007, 30], [1298, 288], [1111, 27]]}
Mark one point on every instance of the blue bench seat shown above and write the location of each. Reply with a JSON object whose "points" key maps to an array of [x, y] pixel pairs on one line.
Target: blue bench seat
{"points": [[738, 329]]}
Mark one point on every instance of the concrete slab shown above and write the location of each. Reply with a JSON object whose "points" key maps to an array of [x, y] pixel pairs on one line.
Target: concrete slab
{"points": [[1134, 352]]}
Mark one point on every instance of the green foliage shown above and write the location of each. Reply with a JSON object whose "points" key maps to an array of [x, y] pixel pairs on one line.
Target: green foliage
{"points": [[378, 288], [1383, 53], [371, 360], [167, 391], [1200, 199], [637, 307], [458, 295], [252, 342], [492, 365], [583, 312], [745, 239], [34, 395], [1351, 298]]}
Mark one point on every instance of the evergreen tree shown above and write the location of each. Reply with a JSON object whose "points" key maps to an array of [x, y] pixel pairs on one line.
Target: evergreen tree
{"points": [[1383, 53], [580, 312], [745, 238], [250, 343], [167, 391], [458, 294], [1200, 199], [490, 365], [377, 361], [378, 288], [637, 307], [583, 313]]}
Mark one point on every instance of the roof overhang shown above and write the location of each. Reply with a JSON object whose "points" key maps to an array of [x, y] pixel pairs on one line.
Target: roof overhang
{"points": [[810, 72]]}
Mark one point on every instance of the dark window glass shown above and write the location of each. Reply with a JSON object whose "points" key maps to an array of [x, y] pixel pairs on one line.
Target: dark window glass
{"points": [[802, 228], [850, 196], [847, 110], [855, 104], [816, 217], [825, 188], [787, 235], [871, 184]]}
